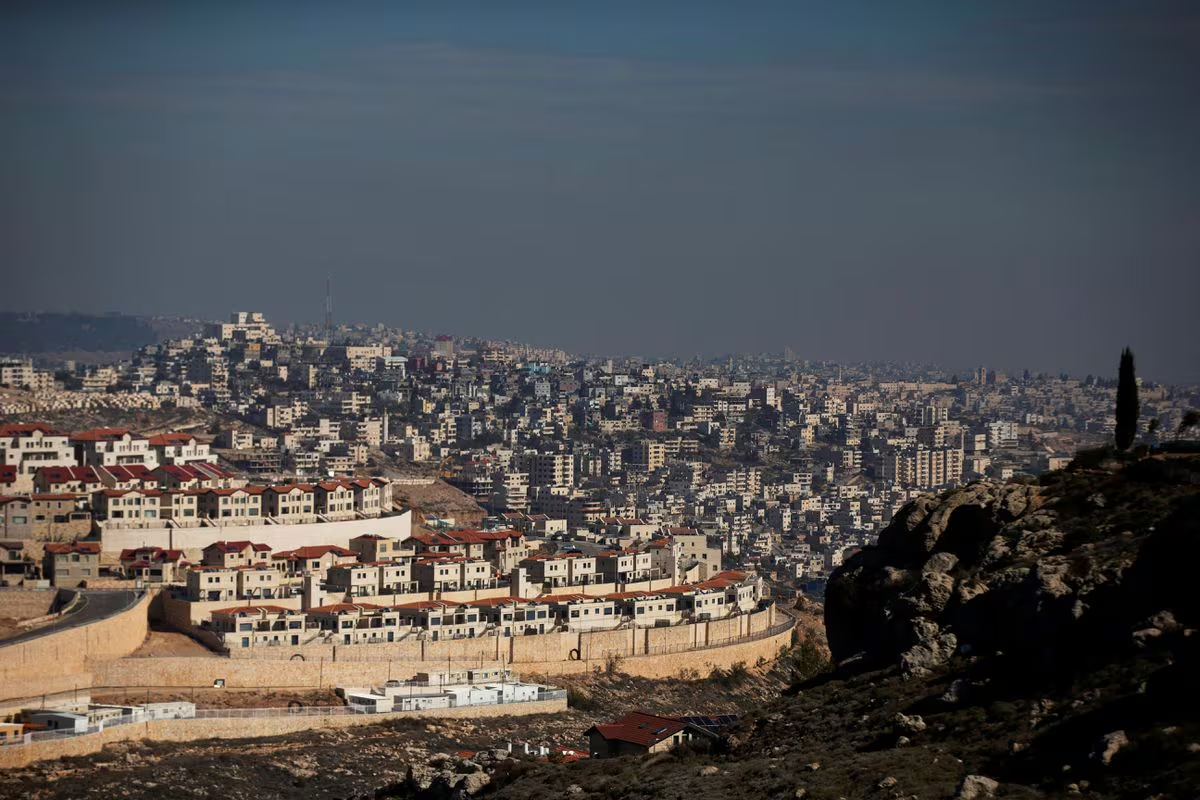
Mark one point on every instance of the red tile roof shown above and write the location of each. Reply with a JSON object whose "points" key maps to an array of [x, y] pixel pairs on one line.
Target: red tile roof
{"points": [[344, 608], [239, 610], [640, 728], [102, 435], [239, 546], [171, 439], [26, 428], [315, 551], [62, 548]]}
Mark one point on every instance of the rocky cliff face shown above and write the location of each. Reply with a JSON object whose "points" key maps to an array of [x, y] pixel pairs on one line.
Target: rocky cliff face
{"points": [[1050, 575]]}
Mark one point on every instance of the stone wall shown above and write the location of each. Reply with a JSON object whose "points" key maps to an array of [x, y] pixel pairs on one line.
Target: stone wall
{"points": [[279, 537], [184, 730], [648, 652], [521, 649], [25, 604], [56, 662]]}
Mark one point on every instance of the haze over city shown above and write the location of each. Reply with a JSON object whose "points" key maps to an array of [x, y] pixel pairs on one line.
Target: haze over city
{"points": [[1008, 184]]}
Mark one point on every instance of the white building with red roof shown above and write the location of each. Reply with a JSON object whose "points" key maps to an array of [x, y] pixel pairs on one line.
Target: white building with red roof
{"points": [[107, 447]]}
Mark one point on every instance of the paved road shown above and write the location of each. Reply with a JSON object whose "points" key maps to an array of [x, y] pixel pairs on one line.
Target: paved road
{"points": [[94, 605]]}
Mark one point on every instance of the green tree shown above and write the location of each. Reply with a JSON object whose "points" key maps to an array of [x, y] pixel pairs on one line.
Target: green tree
{"points": [[1127, 401], [1191, 419]]}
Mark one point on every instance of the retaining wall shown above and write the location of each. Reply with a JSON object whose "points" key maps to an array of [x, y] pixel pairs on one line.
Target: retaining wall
{"points": [[26, 604], [58, 661], [186, 730], [142, 673]]}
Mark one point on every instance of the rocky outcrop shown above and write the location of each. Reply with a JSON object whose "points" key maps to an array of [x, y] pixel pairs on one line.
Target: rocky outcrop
{"points": [[446, 777], [1047, 571]]}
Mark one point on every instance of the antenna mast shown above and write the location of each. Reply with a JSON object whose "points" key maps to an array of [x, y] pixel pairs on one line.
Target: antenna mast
{"points": [[328, 310]]}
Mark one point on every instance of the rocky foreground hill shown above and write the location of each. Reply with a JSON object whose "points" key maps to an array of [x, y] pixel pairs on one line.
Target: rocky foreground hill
{"points": [[1007, 640], [1021, 640]]}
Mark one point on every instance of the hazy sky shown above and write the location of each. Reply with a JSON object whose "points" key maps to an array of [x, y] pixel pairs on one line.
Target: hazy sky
{"points": [[1011, 183]]}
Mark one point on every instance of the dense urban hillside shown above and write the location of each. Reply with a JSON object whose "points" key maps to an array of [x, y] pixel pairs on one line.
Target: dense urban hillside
{"points": [[1015, 640]]}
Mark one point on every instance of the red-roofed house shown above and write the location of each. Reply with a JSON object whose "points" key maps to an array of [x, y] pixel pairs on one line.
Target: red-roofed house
{"points": [[295, 502], [194, 476], [640, 733], [152, 564], [314, 559], [128, 508], [71, 564], [235, 554], [67, 480]]}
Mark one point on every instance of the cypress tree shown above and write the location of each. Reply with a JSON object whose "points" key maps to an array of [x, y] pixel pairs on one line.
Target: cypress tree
{"points": [[1127, 402]]}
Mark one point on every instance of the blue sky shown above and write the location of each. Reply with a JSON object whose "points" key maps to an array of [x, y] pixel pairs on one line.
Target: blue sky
{"points": [[1008, 183]]}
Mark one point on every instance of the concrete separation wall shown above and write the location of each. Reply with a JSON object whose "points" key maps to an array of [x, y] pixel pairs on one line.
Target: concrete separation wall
{"points": [[279, 537], [186, 730]]}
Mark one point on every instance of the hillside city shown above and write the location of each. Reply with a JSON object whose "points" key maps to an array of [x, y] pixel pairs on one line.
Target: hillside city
{"points": [[764, 464]]}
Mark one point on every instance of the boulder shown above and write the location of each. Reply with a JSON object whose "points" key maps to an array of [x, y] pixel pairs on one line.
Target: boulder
{"points": [[977, 786]]}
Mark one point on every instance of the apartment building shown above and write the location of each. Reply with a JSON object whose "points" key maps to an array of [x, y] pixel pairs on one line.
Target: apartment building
{"points": [[109, 447], [290, 503], [196, 475], [78, 481], [514, 616], [452, 573], [128, 508], [359, 623], [242, 505], [550, 469], [212, 583], [372, 578], [581, 612], [258, 626], [437, 619], [624, 566], [231, 555], [29, 447], [372, 547], [152, 564], [649, 455], [316, 559], [181, 448]]}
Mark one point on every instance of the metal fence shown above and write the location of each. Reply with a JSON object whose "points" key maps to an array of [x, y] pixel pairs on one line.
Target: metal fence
{"points": [[247, 713]]}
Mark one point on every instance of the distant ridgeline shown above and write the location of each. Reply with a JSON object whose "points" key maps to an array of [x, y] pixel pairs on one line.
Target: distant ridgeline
{"points": [[54, 333]]}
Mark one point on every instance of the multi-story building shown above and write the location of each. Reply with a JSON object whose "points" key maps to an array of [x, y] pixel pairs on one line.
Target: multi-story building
{"points": [[29, 447], [231, 555], [108, 447], [258, 626], [181, 448], [71, 564]]}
